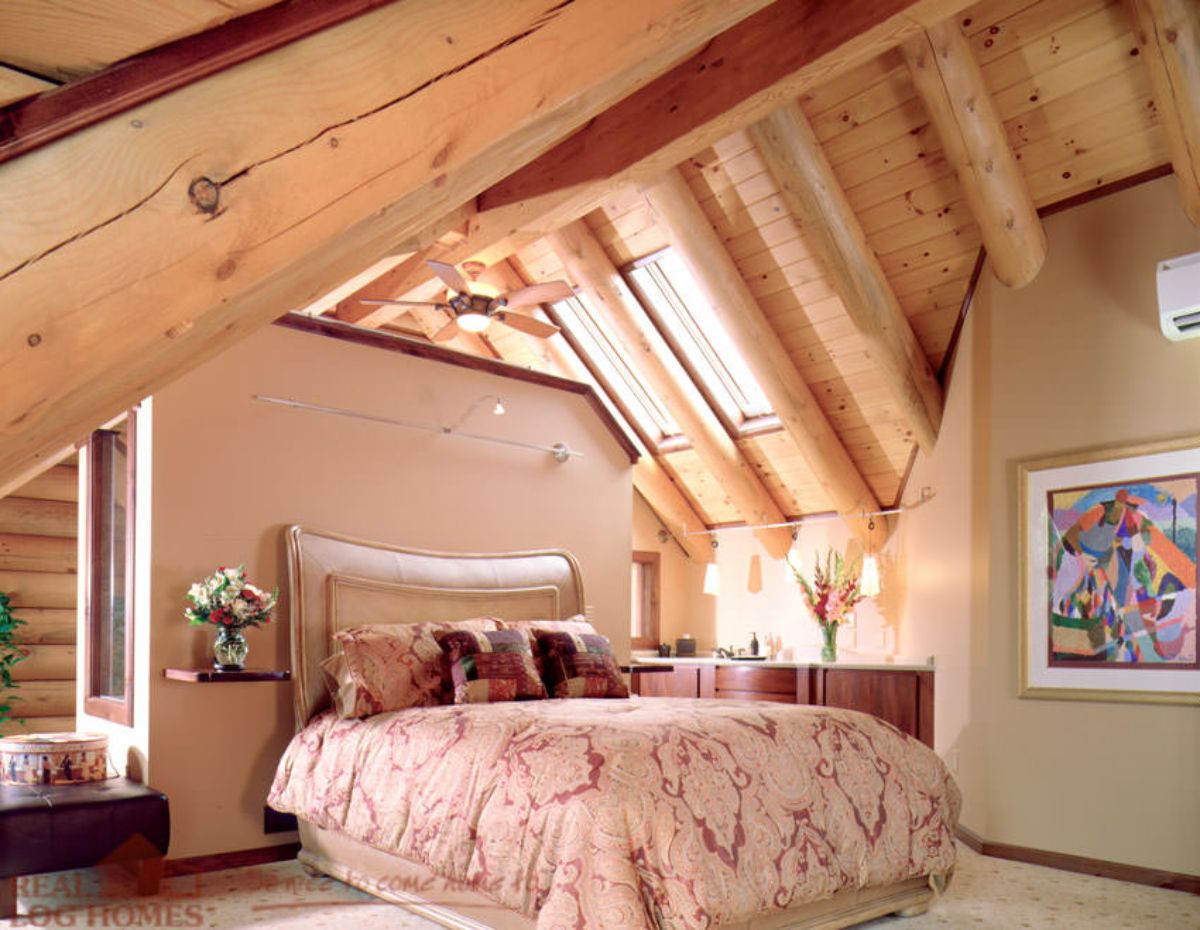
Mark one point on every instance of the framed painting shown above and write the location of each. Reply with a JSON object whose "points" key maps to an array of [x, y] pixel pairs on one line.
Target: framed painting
{"points": [[1108, 574]]}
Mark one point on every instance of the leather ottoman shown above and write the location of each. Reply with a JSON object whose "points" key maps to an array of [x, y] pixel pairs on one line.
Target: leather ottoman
{"points": [[47, 828]]}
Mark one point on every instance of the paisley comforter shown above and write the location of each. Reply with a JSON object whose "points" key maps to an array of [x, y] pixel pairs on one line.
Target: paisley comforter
{"points": [[655, 812]]}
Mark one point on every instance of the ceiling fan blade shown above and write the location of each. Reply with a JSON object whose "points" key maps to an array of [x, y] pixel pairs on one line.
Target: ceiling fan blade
{"points": [[548, 293], [450, 275], [526, 324], [446, 333], [404, 303]]}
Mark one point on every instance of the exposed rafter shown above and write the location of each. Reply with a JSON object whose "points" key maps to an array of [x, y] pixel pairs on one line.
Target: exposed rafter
{"points": [[701, 248], [949, 82], [794, 156], [1168, 33], [590, 268], [223, 225]]}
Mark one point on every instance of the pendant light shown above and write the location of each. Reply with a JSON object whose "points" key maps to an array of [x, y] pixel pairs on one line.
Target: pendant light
{"points": [[712, 574], [869, 580]]}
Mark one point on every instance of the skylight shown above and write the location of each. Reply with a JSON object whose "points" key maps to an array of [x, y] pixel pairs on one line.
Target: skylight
{"points": [[615, 370], [669, 292]]}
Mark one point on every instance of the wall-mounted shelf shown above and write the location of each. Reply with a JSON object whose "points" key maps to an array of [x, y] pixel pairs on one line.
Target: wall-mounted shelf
{"points": [[205, 675]]}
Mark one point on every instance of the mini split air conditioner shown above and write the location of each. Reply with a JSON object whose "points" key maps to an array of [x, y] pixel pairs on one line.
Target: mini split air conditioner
{"points": [[1179, 297]]}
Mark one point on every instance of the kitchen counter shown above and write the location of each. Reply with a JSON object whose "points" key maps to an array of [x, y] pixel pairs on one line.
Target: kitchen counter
{"points": [[851, 663]]}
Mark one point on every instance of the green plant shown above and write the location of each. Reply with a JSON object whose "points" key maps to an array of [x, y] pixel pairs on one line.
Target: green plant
{"points": [[10, 655]]}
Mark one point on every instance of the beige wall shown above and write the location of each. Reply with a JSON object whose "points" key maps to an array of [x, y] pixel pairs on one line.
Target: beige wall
{"points": [[683, 607], [1075, 360], [231, 473]]}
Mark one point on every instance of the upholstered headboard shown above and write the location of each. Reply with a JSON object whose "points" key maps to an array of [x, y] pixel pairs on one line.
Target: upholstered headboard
{"points": [[335, 582]]}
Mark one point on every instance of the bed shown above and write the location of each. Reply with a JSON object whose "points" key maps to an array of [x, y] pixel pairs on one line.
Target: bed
{"points": [[636, 813]]}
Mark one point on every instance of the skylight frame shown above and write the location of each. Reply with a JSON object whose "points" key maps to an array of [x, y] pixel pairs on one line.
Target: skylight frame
{"points": [[617, 374], [685, 325]]}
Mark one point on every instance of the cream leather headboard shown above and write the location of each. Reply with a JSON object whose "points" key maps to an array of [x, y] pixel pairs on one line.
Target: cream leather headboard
{"points": [[335, 582]]}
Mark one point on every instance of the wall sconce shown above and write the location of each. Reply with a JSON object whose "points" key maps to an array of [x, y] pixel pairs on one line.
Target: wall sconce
{"points": [[712, 575], [869, 580]]}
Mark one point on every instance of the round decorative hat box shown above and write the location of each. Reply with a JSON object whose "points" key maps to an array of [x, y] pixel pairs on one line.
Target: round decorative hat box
{"points": [[53, 758]]}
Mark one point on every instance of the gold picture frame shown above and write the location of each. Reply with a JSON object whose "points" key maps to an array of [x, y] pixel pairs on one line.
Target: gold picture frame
{"points": [[1108, 598]]}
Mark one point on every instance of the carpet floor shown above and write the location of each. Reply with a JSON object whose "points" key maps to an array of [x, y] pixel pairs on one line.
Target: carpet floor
{"points": [[986, 894]]}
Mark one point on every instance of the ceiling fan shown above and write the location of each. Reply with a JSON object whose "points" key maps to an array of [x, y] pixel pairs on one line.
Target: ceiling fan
{"points": [[473, 312]]}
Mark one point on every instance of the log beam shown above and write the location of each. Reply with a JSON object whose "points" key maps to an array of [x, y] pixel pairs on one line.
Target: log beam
{"points": [[589, 268], [1168, 32], [950, 84], [115, 282], [807, 183], [693, 237]]}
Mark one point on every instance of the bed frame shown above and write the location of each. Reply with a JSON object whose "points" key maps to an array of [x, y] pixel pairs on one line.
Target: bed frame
{"points": [[337, 581]]}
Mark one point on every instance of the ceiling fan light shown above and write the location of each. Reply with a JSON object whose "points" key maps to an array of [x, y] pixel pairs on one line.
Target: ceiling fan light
{"points": [[473, 322]]}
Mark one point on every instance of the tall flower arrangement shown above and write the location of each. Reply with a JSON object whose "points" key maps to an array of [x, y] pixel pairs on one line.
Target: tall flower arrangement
{"points": [[227, 599], [831, 595]]}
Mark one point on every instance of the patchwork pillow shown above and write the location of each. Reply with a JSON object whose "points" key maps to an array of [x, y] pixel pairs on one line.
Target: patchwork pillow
{"points": [[491, 666], [580, 665], [391, 666]]}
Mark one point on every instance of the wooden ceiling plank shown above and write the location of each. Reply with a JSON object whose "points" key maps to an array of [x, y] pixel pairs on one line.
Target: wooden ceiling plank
{"points": [[1168, 33], [590, 268], [237, 224], [718, 278], [950, 83], [735, 80], [15, 85], [827, 220]]}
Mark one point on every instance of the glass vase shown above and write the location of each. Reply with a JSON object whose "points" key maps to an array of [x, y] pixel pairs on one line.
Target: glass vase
{"points": [[229, 649], [829, 642]]}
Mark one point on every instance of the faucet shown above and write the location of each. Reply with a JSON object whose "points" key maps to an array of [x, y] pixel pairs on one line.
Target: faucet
{"points": [[723, 653]]}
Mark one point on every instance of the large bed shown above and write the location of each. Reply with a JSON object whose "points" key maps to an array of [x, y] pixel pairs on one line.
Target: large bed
{"points": [[626, 813]]}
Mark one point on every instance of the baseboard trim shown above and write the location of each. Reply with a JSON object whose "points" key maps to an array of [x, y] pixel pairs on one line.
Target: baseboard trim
{"points": [[238, 859], [1158, 878]]}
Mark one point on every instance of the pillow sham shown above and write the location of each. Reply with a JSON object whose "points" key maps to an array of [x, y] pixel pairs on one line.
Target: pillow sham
{"points": [[491, 666], [391, 666], [575, 624], [580, 665]]}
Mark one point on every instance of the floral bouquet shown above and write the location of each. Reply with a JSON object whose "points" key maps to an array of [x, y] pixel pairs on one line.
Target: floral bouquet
{"points": [[831, 596], [227, 599]]}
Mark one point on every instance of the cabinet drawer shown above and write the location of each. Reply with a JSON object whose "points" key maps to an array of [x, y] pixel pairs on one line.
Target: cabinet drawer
{"points": [[780, 681]]}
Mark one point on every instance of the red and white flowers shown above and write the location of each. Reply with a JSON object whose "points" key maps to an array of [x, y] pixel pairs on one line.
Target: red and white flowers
{"points": [[834, 590], [227, 599]]}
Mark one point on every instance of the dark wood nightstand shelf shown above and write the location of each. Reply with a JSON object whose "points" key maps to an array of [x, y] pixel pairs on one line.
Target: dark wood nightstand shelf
{"points": [[205, 675]]}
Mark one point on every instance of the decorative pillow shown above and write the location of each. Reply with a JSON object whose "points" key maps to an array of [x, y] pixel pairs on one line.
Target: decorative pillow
{"points": [[580, 665], [391, 666], [491, 666]]}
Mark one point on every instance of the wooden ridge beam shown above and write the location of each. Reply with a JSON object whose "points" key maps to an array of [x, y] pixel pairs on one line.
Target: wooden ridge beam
{"points": [[1168, 33], [590, 268], [950, 84], [809, 187], [770, 55], [693, 237], [116, 281]]}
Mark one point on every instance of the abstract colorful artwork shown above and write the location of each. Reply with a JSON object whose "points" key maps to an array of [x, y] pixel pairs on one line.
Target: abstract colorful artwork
{"points": [[1122, 573], [1108, 574]]}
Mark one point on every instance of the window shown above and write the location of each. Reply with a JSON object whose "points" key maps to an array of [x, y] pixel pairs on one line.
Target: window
{"points": [[692, 327], [615, 371], [108, 686], [644, 629]]}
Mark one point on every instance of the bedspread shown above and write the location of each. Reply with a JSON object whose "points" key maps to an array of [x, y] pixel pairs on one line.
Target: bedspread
{"points": [[656, 812]]}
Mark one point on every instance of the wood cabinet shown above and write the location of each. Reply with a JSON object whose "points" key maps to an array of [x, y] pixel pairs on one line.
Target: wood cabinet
{"points": [[903, 697]]}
